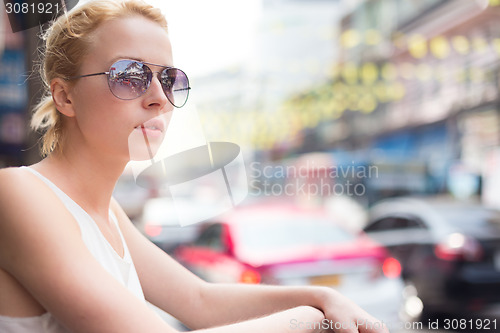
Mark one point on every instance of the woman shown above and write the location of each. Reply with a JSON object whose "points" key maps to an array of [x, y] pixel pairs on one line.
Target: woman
{"points": [[70, 259]]}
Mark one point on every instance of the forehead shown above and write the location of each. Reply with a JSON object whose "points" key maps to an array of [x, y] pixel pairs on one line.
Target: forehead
{"points": [[133, 37]]}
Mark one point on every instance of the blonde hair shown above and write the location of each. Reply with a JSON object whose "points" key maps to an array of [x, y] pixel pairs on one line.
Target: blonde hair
{"points": [[66, 44]]}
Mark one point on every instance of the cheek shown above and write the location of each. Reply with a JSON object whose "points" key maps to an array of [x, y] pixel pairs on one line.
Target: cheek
{"points": [[90, 89], [92, 97], [100, 115]]}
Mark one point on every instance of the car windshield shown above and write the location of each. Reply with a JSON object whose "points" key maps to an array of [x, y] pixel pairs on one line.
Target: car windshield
{"points": [[277, 232]]}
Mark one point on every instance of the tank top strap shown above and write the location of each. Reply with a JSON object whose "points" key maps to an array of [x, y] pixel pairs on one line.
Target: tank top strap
{"points": [[121, 267], [66, 199]]}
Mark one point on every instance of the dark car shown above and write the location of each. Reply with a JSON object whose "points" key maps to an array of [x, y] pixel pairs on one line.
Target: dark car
{"points": [[287, 245], [449, 251]]}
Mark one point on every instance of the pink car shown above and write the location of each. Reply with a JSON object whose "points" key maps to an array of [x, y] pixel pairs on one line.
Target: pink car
{"points": [[288, 245]]}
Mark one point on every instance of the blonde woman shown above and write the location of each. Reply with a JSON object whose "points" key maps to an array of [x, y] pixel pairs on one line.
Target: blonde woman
{"points": [[70, 259]]}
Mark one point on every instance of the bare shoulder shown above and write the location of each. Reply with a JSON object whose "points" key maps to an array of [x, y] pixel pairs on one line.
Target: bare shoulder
{"points": [[22, 192], [41, 247], [29, 213], [19, 184], [9, 176], [17, 188]]}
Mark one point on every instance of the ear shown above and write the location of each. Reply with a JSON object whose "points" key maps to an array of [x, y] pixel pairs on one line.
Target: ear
{"points": [[60, 90]]}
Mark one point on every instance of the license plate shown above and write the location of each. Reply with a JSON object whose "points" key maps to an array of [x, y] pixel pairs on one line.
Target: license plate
{"points": [[325, 280]]}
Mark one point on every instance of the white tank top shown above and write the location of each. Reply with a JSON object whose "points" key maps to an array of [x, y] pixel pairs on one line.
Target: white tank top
{"points": [[122, 269]]}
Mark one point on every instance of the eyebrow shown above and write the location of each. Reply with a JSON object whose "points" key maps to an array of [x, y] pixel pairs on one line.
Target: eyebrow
{"points": [[126, 57], [136, 59]]}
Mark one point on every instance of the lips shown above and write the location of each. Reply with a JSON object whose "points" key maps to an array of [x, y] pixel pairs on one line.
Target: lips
{"points": [[153, 124]]}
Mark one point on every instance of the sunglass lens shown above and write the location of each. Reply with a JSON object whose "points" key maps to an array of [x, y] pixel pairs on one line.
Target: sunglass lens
{"points": [[129, 79], [176, 86]]}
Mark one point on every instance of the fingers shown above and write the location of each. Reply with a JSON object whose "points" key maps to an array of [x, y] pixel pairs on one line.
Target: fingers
{"points": [[372, 326], [358, 325], [345, 316]]}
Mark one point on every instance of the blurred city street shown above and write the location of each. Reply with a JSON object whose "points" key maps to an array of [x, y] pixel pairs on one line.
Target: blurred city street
{"points": [[362, 144]]}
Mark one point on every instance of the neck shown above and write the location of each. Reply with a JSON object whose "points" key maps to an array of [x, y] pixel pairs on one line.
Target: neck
{"points": [[87, 179]]}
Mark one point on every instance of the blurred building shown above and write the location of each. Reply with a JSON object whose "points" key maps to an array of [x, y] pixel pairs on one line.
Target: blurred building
{"points": [[292, 51], [13, 94], [20, 85], [415, 91], [410, 87]]}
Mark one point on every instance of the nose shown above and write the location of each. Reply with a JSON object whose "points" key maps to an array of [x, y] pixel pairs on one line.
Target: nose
{"points": [[155, 97]]}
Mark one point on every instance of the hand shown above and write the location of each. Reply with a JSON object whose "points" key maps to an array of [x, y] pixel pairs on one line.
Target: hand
{"points": [[344, 316]]}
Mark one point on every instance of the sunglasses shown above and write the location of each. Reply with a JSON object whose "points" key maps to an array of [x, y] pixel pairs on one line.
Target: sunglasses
{"points": [[130, 79]]}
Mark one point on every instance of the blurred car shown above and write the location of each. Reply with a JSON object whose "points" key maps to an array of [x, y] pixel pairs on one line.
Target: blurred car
{"points": [[131, 196], [286, 245], [160, 223], [449, 252]]}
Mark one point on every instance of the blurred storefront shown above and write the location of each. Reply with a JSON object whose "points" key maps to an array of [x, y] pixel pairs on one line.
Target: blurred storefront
{"points": [[408, 86], [20, 84], [416, 83], [13, 95]]}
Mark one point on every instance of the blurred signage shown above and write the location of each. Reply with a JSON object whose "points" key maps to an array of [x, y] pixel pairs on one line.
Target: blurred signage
{"points": [[10, 40], [2, 35], [12, 128], [13, 96], [480, 132], [490, 195], [463, 183], [13, 76]]}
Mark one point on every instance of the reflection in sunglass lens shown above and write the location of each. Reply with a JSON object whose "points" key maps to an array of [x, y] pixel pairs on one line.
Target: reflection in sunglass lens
{"points": [[129, 79], [175, 85]]}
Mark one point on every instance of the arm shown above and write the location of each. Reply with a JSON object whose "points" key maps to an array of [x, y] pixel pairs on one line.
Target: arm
{"points": [[241, 300], [41, 247], [199, 304], [303, 319]]}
